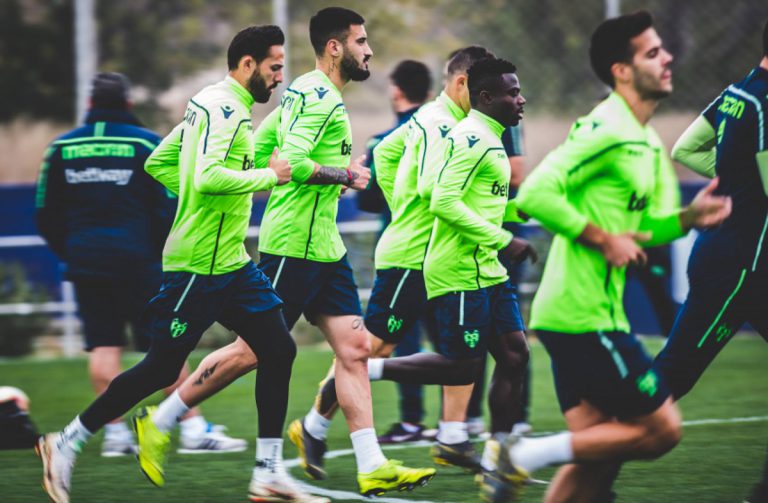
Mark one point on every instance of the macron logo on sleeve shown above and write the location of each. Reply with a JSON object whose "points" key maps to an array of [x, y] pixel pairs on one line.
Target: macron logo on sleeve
{"points": [[321, 92], [471, 140], [227, 111], [444, 129]]}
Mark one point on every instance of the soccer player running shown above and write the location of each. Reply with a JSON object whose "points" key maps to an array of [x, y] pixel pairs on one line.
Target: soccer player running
{"points": [[597, 193], [208, 276], [302, 251], [407, 163], [107, 220], [728, 268]]}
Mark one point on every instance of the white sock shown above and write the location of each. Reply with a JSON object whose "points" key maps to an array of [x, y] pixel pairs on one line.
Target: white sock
{"points": [[269, 454], [375, 368], [367, 450], [532, 454], [490, 455], [116, 430], [169, 412], [74, 436], [316, 425], [452, 432], [194, 425]]}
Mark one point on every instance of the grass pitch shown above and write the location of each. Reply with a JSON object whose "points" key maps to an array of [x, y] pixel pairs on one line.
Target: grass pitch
{"points": [[716, 462]]}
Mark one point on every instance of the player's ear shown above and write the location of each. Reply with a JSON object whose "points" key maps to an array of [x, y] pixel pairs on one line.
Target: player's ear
{"points": [[247, 63], [334, 47], [622, 72]]}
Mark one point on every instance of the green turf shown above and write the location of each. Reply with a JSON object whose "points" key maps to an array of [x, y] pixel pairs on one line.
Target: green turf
{"points": [[714, 463]]}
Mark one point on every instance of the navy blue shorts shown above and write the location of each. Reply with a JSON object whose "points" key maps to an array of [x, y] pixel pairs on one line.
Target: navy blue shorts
{"points": [[610, 370], [189, 303], [713, 312], [398, 301], [107, 305], [466, 320], [312, 288]]}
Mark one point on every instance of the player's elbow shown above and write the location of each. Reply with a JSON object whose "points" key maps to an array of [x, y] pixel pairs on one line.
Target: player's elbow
{"points": [[678, 153], [440, 206]]}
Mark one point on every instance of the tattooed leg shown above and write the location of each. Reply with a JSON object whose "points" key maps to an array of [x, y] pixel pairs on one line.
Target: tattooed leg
{"points": [[216, 371], [349, 339]]}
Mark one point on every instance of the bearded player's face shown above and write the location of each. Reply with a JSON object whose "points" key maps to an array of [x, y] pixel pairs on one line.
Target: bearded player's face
{"points": [[267, 75], [357, 53]]}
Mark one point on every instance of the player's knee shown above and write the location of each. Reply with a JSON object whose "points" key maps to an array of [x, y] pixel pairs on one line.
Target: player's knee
{"points": [[286, 349], [663, 435], [466, 371], [355, 352], [515, 353]]}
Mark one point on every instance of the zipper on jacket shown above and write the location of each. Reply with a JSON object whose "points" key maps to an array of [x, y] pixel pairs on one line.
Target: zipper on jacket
{"points": [[608, 295], [216, 246], [311, 224]]}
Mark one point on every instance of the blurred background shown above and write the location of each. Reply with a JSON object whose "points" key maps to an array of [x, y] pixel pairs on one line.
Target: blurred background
{"points": [[49, 49]]}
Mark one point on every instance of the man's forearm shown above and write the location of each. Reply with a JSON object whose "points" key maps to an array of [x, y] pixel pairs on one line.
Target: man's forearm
{"points": [[325, 175]]}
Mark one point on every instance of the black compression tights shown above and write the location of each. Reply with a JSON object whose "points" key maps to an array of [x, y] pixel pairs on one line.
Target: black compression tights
{"points": [[271, 342]]}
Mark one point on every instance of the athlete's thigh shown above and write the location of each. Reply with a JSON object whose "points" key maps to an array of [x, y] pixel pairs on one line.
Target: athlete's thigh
{"points": [[186, 305], [463, 323], [252, 295], [296, 281], [397, 302], [346, 334], [509, 340], [711, 314], [337, 295], [141, 290]]}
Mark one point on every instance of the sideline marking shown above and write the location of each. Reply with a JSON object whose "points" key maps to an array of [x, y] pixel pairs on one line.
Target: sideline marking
{"points": [[348, 495]]}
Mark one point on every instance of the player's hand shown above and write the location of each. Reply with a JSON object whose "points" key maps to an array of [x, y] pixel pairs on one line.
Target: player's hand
{"points": [[520, 249], [360, 174], [281, 168], [623, 249], [706, 209]]}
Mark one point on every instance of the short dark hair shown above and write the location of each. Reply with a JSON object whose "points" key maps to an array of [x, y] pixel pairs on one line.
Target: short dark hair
{"points": [[765, 39], [331, 22], [110, 90], [460, 60], [253, 41], [611, 42], [485, 74], [414, 80]]}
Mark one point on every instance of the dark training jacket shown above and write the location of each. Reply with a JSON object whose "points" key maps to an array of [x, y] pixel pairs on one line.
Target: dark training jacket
{"points": [[98, 210]]}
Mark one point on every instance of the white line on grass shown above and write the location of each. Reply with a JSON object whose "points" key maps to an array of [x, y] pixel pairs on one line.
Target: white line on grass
{"points": [[347, 495]]}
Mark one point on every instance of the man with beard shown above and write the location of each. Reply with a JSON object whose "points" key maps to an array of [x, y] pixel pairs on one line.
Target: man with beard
{"points": [[107, 220], [302, 252], [599, 193], [409, 160], [208, 276]]}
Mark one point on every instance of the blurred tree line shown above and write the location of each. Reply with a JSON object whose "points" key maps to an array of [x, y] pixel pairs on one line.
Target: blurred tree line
{"points": [[158, 42]]}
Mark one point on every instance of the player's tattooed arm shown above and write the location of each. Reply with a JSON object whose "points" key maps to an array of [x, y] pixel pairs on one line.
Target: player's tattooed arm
{"points": [[356, 176], [325, 175]]}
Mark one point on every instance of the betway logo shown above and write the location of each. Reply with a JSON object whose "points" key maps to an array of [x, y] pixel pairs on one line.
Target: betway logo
{"points": [[98, 175]]}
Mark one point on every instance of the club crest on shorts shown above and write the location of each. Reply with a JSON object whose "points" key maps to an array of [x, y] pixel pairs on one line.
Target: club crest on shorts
{"points": [[471, 338], [648, 383], [178, 328], [393, 324]]}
